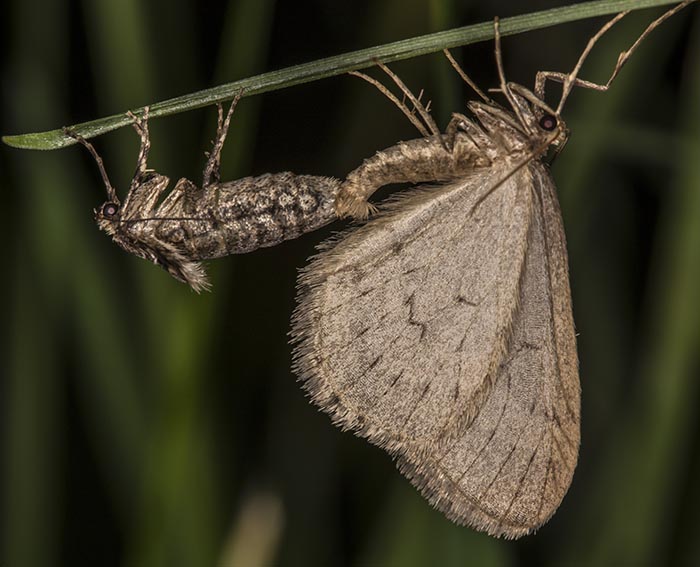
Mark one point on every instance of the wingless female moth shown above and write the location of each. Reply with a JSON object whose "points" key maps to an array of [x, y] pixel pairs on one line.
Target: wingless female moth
{"points": [[442, 329], [193, 223]]}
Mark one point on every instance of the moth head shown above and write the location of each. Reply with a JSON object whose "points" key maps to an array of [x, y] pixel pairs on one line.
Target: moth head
{"points": [[553, 124], [145, 189], [543, 124], [107, 216], [530, 124]]}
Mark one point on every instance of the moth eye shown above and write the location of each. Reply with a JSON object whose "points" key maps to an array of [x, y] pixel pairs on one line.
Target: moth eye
{"points": [[548, 122], [110, 209]]}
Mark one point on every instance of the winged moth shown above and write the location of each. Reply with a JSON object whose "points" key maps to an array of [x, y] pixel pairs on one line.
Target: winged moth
{"points": [[442, 329]]}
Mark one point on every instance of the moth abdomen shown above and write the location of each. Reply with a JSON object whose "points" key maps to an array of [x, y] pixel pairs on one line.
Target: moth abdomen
{"points": [[430, 159], [256, 212]]}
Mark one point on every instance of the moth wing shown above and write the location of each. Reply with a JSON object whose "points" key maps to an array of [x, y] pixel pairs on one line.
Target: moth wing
{"points": [[402, 323], [171, 258], [509, 470]]}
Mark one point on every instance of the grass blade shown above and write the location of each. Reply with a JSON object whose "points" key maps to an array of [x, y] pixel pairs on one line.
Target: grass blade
{"points": [[337, 65]]}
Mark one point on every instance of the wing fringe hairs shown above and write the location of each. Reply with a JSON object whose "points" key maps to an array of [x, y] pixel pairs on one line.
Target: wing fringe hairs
{"points": [[439, 490], [306, 362]]}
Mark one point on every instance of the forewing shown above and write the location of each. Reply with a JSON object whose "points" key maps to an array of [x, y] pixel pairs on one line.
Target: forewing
{"points": [[509, 470], [402, 323]]}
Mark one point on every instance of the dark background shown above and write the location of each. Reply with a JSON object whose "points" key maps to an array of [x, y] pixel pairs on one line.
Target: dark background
{"points": [[143, 424]]}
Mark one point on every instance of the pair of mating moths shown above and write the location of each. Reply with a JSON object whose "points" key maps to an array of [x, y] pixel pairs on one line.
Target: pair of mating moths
{"points": [[440, 330]]}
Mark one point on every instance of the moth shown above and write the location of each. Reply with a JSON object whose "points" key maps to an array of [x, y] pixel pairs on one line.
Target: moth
{"points": [[193, 223], [442, 329]]}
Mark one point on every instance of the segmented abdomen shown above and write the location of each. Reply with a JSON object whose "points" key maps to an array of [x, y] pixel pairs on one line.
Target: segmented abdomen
{"points": [[254, 212]]}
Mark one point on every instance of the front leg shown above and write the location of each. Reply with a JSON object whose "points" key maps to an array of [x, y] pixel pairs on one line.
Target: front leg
{"points": [[571, 80], [111, 193]]}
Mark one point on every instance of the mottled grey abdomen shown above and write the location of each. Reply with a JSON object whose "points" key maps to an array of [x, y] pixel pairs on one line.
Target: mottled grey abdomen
{"points": [[255, 212]]}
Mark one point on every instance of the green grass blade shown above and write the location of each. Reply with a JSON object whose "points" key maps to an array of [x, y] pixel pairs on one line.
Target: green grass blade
{"points": [[337, 65]]}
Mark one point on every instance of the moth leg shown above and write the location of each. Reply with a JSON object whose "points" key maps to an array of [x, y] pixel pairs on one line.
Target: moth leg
{"points": [[424, 111], [503, 85], [453, 127], [457, 67], [565, 78], [428, 127], [410, 114], [212, 173], [111, 193], [182, 199], [142, 198], [141, 127], [569, 81], [146, 186], [460, 124]]}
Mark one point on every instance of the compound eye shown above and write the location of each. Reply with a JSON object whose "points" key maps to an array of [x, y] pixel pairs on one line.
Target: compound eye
{"points": [[548, 122], [109, 210]]}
